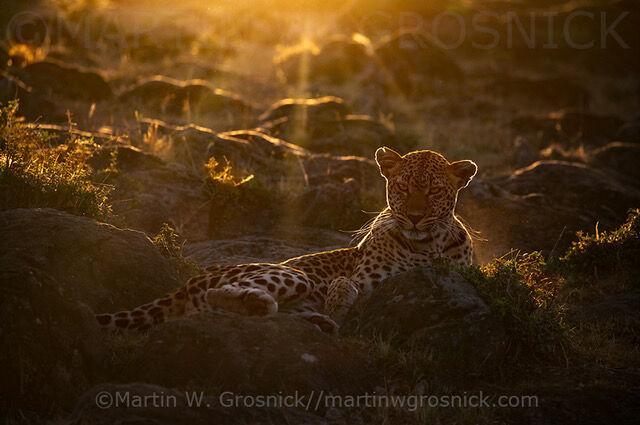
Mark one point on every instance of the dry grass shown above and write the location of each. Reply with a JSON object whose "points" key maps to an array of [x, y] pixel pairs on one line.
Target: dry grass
{"points": [[35, 173]]}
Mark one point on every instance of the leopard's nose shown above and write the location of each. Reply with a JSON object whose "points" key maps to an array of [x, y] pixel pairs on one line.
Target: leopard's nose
{"points": [[415, 218]]}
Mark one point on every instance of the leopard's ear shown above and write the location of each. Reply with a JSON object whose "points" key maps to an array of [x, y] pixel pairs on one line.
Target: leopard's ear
{"points": [[388, 161], [462, 172]]}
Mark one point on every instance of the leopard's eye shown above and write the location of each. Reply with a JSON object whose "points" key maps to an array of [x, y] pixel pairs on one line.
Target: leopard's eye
{"points": [[436, 190], [402, 185]]}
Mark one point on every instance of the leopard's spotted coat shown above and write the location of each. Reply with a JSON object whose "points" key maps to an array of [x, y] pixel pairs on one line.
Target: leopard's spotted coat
{"points": [[418, 226]]}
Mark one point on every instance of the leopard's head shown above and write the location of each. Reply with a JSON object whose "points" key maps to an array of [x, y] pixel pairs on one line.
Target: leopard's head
{"points": [[422, 188]]}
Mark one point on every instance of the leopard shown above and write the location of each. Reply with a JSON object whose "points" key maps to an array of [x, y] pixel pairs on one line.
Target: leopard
{"points": [[417, 228]]}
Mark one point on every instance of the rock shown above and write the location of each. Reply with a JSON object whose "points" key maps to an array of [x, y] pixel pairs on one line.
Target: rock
{"points": [[71, 250], [413, 61], [354, 135], [289, 185], [538, 128], [150, 192], [325, 108], [570, 128], [247, 151], [629, 132], [430, 311], [272, 160], [558, 92], [523, 153], [289, 242], [59, 134], [324, 125], [56, 271], [590, 129], [190, 100], [340, 60], [252, 152], [558, 152], [33, 104], [590, 192], [501, 222], [66, 81], [621, 159], [235, 353]]}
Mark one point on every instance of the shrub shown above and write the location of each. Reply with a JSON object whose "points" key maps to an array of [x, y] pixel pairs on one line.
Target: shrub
{"points": [[34, 173], [235, 200], [171, 245], [604, 254], [520, 291]]}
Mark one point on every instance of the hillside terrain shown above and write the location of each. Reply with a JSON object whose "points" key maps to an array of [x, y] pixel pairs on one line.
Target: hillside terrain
{"points": [[142, 141]]}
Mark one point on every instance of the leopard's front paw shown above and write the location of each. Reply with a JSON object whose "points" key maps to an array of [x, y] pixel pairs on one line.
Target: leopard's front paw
{"points": [[324, 323]]}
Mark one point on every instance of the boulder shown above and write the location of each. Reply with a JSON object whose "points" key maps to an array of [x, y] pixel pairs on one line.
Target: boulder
{"points": [[523, 152], [570, 128], [289, 184], [59, 134], [188, 101], [352, 135], [622, 159], [287, 243], [589, 192], [314, 109], [150, 192], [589, 129], [325, 125], [340, 60], [630, 131], [57, 270], [268, 158], [431, 311], [501, 222], [67, 81], [33, 104], [73, 251], [235, 353]]}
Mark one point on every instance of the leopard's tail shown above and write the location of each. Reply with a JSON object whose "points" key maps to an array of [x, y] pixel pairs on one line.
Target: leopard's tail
{"points": [[147, 315]]}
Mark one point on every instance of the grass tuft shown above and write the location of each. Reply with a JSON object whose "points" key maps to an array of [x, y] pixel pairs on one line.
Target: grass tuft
{"points": [[521, 292], [171, 246], [34, 173], [602, 254]]}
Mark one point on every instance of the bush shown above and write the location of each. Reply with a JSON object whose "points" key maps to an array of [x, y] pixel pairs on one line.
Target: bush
{"points": [[171, 245], [521, 292], [603, 254], [34, 173], [236, 201]]}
